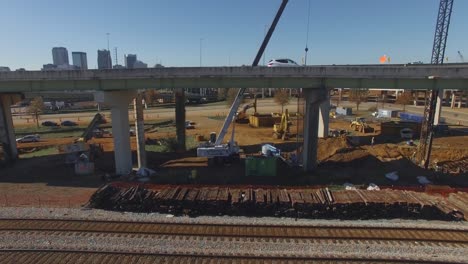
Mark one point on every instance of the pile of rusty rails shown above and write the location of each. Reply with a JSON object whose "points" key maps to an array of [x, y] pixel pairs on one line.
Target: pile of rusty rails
{"points": [[274, 201], [457, 167]]}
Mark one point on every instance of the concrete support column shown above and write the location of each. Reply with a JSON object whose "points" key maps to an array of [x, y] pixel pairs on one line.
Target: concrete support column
{"points": [[119, 102], [438, 110], [7, 132], [180, 118], [452, 101], [313, 99], [140, 130], [324, 118]]}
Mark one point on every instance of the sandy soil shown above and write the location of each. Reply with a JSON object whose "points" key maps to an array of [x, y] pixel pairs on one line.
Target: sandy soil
{"points": [[48, 181]]}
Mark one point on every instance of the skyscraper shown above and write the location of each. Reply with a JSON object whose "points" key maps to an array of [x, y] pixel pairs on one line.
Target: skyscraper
{"points": [[130, 60], [104, 59], [80, 60], [60, 56]]}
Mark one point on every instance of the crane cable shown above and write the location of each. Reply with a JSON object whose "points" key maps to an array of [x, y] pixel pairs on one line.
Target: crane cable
{"points": [[307, 36]]}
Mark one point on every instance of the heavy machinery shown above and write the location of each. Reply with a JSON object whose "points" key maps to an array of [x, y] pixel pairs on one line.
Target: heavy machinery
{"points": [[92, 130], [359, 124], [81, 145], [423, 153], [217, 151], [281, 129], [241, 117]]}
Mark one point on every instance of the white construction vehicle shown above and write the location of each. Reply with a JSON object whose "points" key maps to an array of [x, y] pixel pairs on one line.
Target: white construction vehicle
{"points": [[219, 152]]}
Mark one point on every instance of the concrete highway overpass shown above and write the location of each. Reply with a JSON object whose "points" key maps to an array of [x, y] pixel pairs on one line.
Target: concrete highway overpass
{"points": [[350, 76], [118, 87]]}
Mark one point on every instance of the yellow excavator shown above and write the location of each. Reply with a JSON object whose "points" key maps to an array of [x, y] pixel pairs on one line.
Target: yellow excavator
{"points": [[281, 130], [241, 117], [359, 124]]}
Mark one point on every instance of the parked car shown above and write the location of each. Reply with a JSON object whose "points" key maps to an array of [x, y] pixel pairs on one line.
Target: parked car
{"points": [[50, 123], [69, 123], [282, 63], [406, 133], [28, 138]]}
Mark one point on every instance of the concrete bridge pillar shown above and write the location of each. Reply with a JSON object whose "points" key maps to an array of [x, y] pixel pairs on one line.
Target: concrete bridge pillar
{"points": [[438, 110], [180, 118], [7, 132], [119, 102], [324, 118], [139, 130], [313, 99]]}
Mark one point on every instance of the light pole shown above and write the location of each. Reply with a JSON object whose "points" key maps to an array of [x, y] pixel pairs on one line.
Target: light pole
{"points": [[264, 52], [201, 52], [109, 63]]}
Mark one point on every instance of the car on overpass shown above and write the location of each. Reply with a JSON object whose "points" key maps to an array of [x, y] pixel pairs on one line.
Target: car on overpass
{"points": [[283, 62]]}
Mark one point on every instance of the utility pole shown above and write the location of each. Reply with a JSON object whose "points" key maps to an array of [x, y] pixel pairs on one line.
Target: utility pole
{"points": [[307, 36], [201, 51], [116, 58]]}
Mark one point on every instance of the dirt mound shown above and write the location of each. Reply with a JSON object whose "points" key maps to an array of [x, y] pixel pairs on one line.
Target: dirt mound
{"points": [[385, 152], [330, 146]]}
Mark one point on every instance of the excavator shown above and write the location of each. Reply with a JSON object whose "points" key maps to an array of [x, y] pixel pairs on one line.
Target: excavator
{"points": [[281, 129], [81, 145], [359, 124], [241, 117]]}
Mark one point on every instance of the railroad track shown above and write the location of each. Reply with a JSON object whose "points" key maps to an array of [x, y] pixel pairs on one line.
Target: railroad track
{"points": [[53, 257], [44, 240], [238, 230]]}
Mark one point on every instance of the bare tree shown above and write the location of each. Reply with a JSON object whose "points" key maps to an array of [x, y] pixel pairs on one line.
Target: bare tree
{"points": [[404, 99], [150, 96], [358, 96], [35, 108], [282, 98], [231, 96], [222, 93]]}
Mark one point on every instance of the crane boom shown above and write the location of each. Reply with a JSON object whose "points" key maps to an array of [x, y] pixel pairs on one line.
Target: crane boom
{"points": [[438, 53], [461, 56], [235, 105]]}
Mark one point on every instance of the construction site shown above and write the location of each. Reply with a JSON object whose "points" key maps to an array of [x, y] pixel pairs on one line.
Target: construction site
{"points": [[232, 164]]}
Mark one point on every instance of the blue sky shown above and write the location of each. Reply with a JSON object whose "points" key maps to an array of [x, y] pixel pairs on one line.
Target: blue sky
{"points": [[169, 31]]}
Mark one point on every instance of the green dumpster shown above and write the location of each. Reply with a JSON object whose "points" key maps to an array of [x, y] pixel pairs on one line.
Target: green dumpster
{"points": [[260, 166]]}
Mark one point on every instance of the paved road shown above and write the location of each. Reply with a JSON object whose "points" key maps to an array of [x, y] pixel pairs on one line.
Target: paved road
{"points": [[453, 116]]}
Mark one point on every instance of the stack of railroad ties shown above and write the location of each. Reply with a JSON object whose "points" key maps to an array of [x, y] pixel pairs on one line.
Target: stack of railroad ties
{"points": [[275, 201]]}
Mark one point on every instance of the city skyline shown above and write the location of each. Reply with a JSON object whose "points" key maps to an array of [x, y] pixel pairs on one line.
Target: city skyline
{"points": [[340, 32]]}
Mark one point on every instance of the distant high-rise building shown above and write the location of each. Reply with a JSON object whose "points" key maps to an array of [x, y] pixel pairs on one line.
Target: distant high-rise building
{"points": [[104, 59], [139, 65], [130, 61], [80, 60], [49, 67], [60, 56]]}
